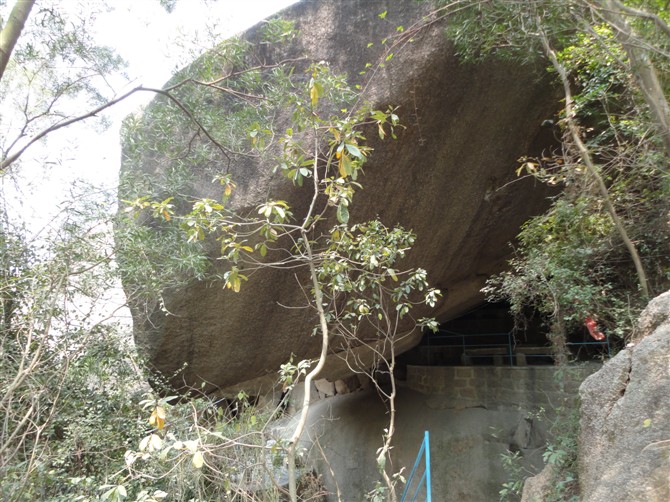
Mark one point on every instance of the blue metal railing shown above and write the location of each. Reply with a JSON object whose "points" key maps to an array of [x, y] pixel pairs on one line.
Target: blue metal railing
{"points": [[424, 453], [476, 345], [496, 346]]}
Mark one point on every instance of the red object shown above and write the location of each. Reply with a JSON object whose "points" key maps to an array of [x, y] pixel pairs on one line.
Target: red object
{"points": [[592, 326]]}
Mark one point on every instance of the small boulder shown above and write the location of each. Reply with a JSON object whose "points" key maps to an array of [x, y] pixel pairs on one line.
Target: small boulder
{"points": [[624, 447]]}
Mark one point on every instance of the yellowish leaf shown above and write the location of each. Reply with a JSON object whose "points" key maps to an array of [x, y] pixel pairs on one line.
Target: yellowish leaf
{"points": [[646, 423], [341, 166], [157, 418], [315, 92], [198, 460]]}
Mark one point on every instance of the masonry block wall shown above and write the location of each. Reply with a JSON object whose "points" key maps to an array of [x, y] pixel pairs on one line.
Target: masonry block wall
{"points": [[492, 386]]}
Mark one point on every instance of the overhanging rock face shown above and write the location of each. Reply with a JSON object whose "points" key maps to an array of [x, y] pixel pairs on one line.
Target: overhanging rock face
{"points": [[450, 177]]}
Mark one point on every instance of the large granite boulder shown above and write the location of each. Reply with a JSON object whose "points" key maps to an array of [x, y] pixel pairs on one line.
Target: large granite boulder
{"points": [[450, 177], [624, 446]]}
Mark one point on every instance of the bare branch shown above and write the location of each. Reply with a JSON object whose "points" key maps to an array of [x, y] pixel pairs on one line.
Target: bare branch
{"points": [[644, 15], [7, 162]]}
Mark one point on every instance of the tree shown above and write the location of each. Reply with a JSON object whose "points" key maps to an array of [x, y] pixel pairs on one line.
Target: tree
{"points": [[613, 148], [67, 369], [640, 63], [54, 67], [349, 271], [10, 33], [357, 261], [572, 263]]}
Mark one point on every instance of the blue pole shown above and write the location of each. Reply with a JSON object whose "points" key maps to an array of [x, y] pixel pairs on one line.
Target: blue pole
{"points": [[411, 475], [424, 453], [428, 491]]}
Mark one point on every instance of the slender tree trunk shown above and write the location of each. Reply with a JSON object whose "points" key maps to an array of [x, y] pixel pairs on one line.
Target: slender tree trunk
{"points": [[591, 167], [12, 31], [323, 327], [386, 449], [641, 67], [325, 339]]}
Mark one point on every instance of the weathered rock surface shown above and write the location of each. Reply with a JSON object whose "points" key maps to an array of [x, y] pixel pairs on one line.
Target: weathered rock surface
{"points": [[449, 177], [624, 449]]}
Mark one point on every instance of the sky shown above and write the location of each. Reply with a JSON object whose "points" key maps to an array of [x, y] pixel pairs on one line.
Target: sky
{"points": [[154, 43]]}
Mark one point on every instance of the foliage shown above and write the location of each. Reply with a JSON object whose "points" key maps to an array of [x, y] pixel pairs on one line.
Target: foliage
{"points": [[325, 143], [68, 375], [575, 261], [62, 383], [505, 29], [155, 258], [54, 67], [571, 263], [559, 456], [228, 456], [70, 388], [566, 268], [562, 450], [74, 428], [511, 462], [363, 301]]}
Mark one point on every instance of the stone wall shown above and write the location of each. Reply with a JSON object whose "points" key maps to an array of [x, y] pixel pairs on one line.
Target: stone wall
{"points": [[495, 386]]}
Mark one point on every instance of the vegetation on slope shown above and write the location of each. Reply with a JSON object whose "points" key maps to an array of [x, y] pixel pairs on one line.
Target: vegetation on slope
{"points": [[77, 423]]}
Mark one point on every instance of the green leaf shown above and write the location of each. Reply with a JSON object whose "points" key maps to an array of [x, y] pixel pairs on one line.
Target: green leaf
{"points": [[353, 150], [342, 213]]}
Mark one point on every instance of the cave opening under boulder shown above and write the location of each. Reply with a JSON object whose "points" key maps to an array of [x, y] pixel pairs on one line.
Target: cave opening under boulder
{"points": [[489, 336]]}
